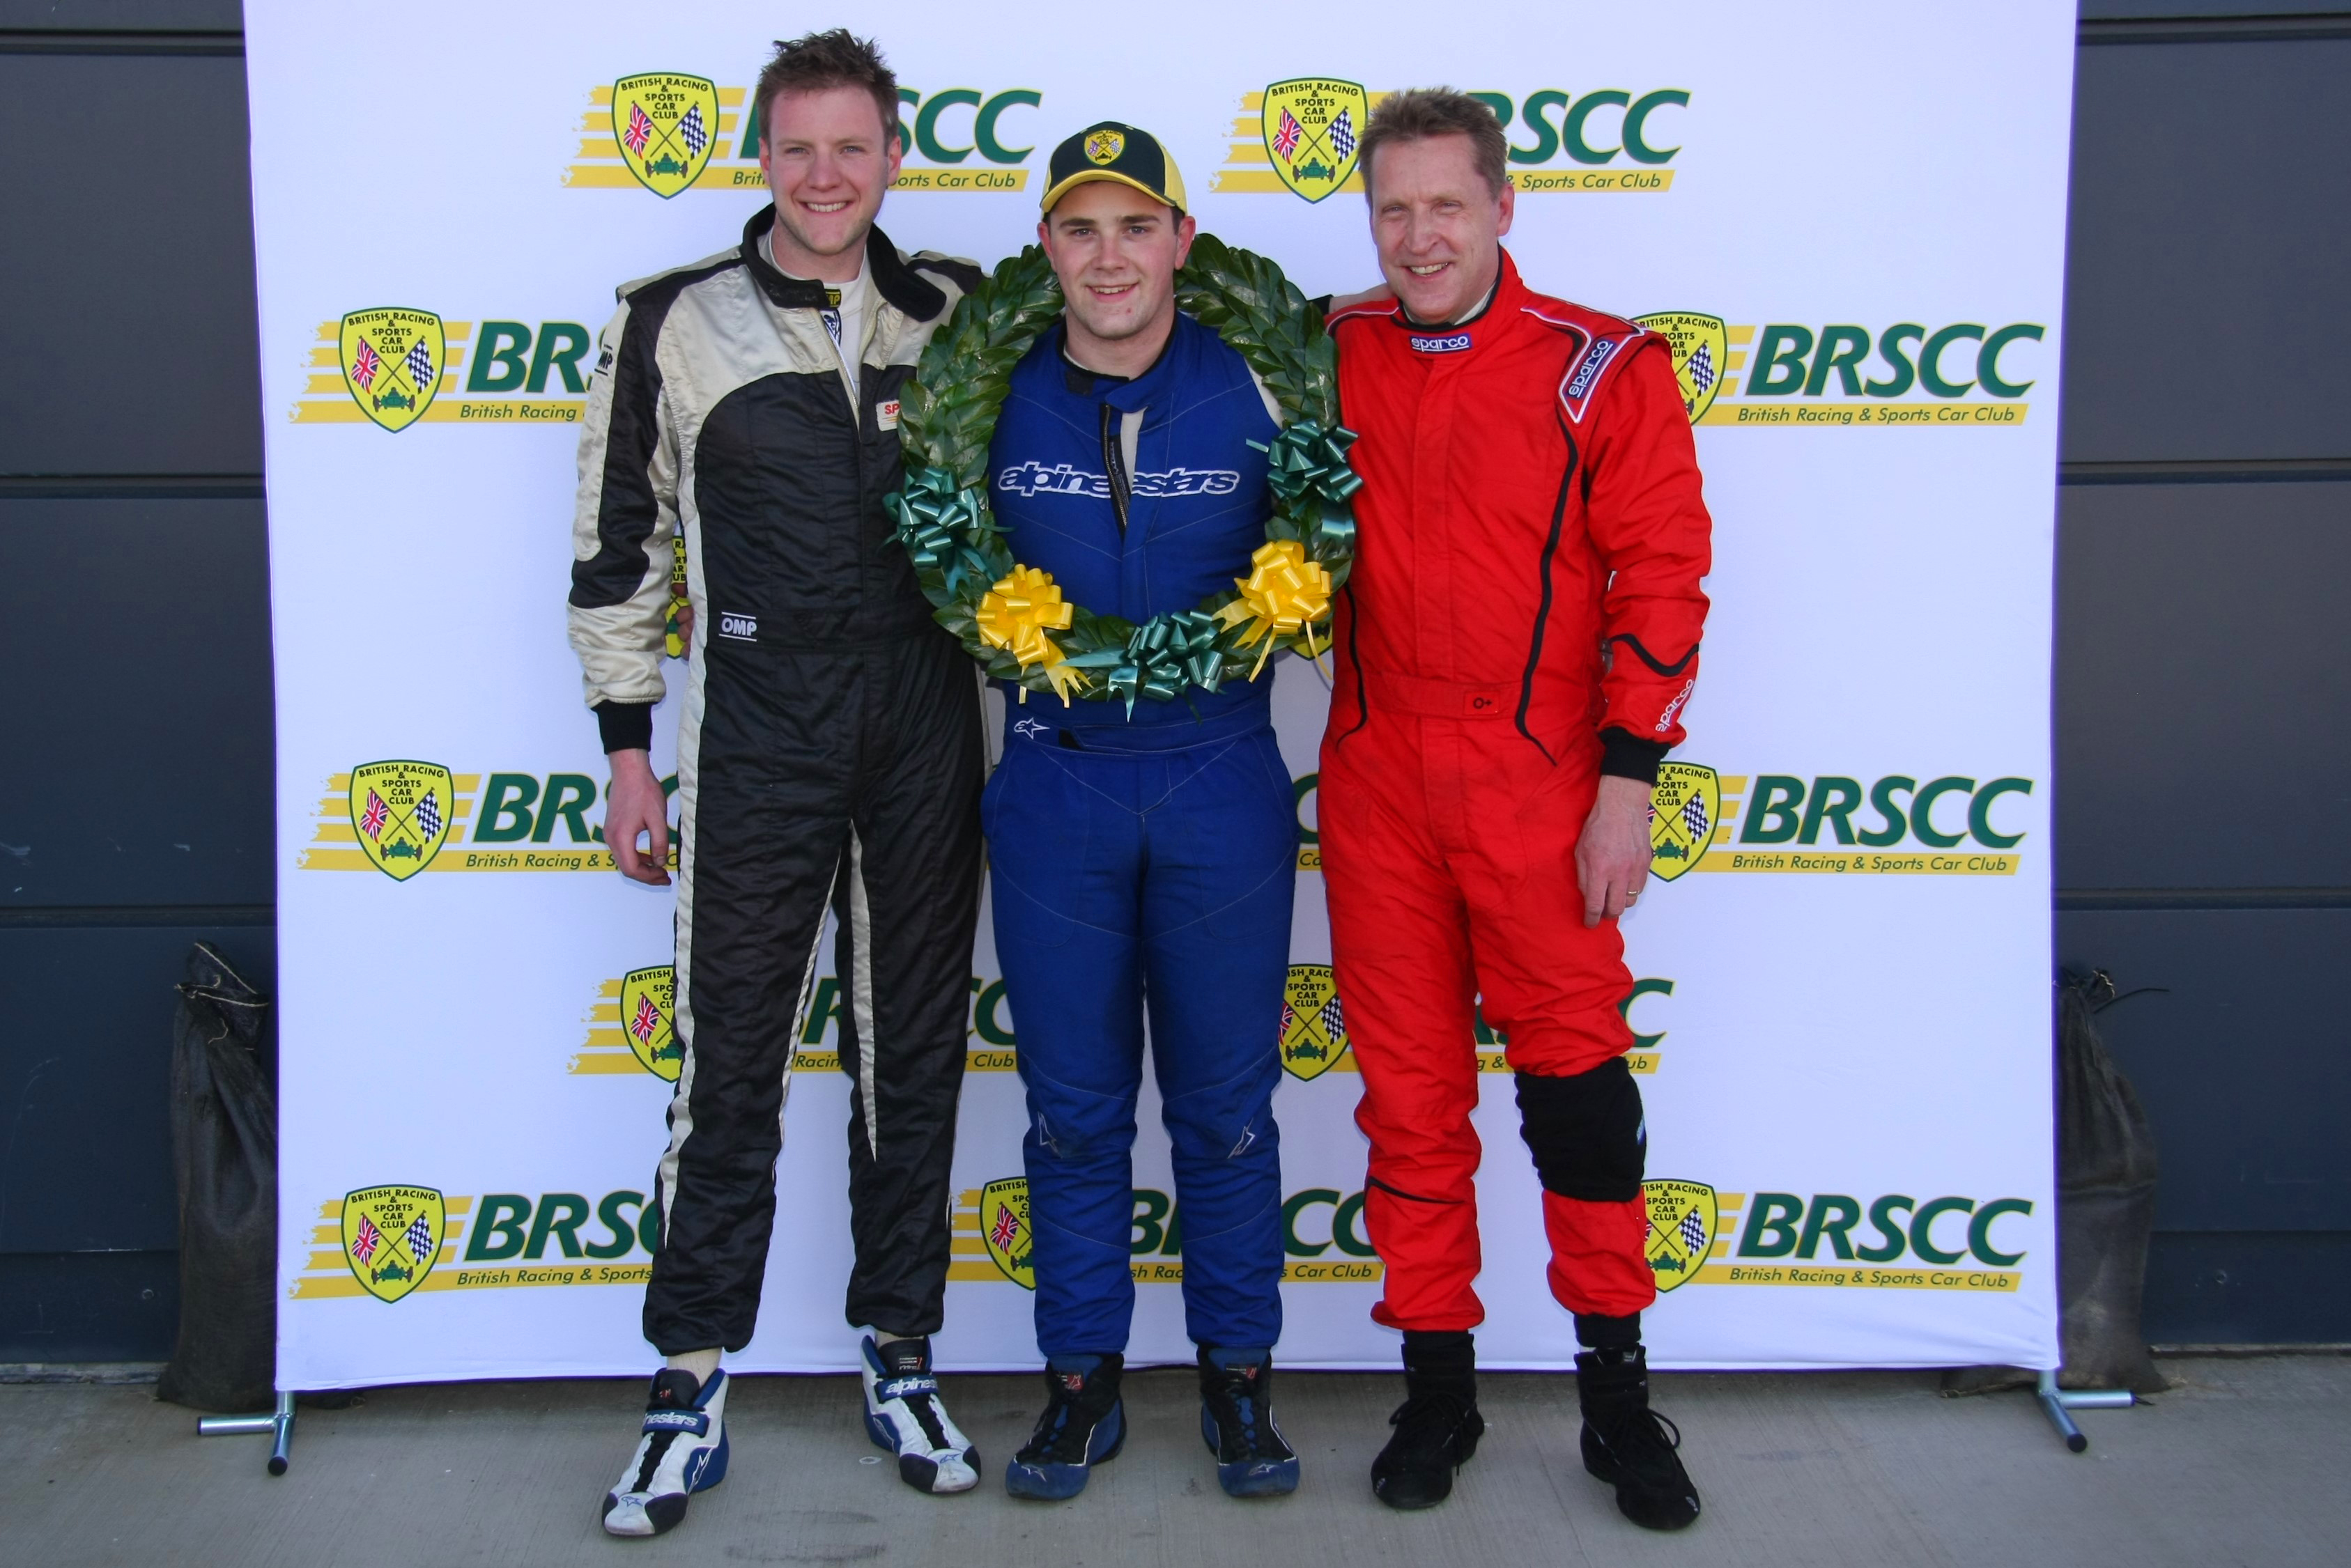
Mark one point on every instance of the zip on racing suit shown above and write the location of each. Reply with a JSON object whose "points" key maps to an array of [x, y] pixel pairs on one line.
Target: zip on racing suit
{"points": [[1523, 616], [829, 751], [1146, 860]]}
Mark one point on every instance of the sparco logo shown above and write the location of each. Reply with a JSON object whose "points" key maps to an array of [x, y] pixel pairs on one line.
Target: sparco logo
{"points": [[1589, 372], [1451, 344]]}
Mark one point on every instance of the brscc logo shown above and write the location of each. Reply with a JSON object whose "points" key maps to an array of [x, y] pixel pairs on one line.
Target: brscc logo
{"points": [[390, 1242], [403, 817], [391, 1238], [1920, 376], [1946, 826], [1315, 1027], [993, 1222], [668, 132], [1957, 1241], [1302, 136], [391, 366], [632, 1024]]}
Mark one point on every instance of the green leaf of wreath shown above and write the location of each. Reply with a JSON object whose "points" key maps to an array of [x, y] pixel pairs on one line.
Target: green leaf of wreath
{"points": [[948, 419]]}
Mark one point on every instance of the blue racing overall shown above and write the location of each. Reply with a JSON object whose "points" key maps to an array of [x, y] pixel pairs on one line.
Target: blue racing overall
{"points": [[1144, 861]]}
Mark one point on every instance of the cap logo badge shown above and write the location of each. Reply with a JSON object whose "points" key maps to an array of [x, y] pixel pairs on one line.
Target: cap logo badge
{"points": [[1104, 145]]}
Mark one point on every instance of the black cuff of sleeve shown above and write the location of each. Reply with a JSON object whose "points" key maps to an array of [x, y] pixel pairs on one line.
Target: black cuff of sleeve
{"points": [[626, 726], [1625, 755]]}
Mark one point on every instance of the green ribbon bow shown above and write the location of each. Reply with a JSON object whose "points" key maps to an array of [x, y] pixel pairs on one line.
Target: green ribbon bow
{"points": [[942, 524], [1160, 657], [1307, 469]]}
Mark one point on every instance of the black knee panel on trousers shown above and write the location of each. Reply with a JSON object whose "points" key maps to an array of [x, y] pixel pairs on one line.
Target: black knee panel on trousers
{"points": [[1587, 1131]]}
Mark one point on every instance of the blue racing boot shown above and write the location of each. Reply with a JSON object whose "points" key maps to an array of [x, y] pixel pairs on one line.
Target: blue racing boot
{"points": [[1085, 1424], [1237, 1422], [681, 1450], [903, 1414]]}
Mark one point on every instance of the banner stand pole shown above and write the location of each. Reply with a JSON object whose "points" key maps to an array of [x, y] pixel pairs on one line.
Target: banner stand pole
{"points": [[2056, 1402], [280, 1427]]}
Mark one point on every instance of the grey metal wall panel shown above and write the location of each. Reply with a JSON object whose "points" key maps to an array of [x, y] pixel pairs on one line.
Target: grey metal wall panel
{"points": [[85, 1080], [129, 336], [121, 16], [2137, 10], [2240, 1288], [2243, 1062], [2206, 283], [89, 1306], [137, 768], [2201, 685]]}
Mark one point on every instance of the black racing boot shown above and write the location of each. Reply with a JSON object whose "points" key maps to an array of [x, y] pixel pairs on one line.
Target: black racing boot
{"points": [[1085, 1424], [1626, 1443], [1436, 1426], [1253, 1458]]}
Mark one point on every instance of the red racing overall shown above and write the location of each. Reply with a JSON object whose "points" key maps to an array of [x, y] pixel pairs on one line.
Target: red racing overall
{"points": [[1523, 616]]}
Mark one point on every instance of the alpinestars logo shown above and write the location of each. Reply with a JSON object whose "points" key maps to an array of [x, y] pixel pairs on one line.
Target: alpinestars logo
{"points": [[1036, 479]]}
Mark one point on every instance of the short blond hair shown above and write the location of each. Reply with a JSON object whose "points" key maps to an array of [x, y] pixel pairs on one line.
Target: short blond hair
{"points": [[1419, 113]]}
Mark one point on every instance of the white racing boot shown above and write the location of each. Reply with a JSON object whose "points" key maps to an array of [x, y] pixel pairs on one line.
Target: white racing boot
{"points": [[682, 1451], [904, 1415]]}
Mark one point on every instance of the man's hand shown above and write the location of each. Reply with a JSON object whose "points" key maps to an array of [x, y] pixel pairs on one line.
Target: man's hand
{"points": [[1612, 858], [636, 805], [684, 630]]}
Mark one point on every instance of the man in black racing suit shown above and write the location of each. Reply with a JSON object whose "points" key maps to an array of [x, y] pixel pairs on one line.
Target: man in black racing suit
{"points": [[829, 752]]}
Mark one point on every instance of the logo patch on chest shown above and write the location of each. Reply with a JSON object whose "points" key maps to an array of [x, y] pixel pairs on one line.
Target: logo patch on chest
{"points": [[886, 414], [1450, 343]]}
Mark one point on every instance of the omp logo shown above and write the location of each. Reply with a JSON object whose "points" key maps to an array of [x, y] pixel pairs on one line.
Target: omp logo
{"points": [[741, 628], [1907, 374], [993, 1239], [1034, 478], [392, 1241], [1300, 136], [1951, 826], [403, 817], [667, 132], [393, 368], [1891, 1242], [631, 1028]]}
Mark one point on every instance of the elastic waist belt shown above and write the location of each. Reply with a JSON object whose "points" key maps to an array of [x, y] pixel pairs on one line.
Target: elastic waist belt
{"points": [[1048, 723], [1439, 698]]}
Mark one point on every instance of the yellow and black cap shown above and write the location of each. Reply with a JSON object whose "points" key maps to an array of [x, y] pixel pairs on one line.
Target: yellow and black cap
{"points": [[1112, 150]]}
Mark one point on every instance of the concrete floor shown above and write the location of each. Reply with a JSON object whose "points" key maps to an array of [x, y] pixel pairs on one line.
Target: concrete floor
{"points": [[2244, 1462]]}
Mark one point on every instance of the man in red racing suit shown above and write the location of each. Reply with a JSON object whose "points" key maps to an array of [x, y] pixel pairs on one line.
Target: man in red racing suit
{"points": [[1515, 648]]}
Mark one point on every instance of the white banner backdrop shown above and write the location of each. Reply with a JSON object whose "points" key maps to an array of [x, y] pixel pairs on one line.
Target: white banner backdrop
{"points": [[1848, 218]]}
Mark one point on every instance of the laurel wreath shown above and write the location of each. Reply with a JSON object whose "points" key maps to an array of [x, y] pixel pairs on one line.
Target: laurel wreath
{"points": [[1011, 618]]}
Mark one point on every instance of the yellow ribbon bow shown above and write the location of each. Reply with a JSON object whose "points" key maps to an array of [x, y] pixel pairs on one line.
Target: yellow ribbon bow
{"points": [[1017, 613], [1286, 591]]}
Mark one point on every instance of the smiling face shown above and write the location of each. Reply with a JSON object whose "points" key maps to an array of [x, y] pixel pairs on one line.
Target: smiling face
{"points": [[1437, 225], [1116, 251], [829, 158]]}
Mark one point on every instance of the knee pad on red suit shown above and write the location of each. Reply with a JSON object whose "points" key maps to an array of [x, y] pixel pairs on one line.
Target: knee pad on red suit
{"points": [[1587, 1131]]}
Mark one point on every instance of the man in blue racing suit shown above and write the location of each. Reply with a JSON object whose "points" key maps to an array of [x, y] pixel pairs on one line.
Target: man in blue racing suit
{"points": [[1142, 859]]}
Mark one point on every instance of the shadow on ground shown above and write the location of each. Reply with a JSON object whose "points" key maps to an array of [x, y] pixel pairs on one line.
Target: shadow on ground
{"points": [[2241, 1463]]}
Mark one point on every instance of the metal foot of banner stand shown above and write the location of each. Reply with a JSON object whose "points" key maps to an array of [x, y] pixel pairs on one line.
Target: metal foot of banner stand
{"points": [[2056, 1402], [280, 1427]]}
